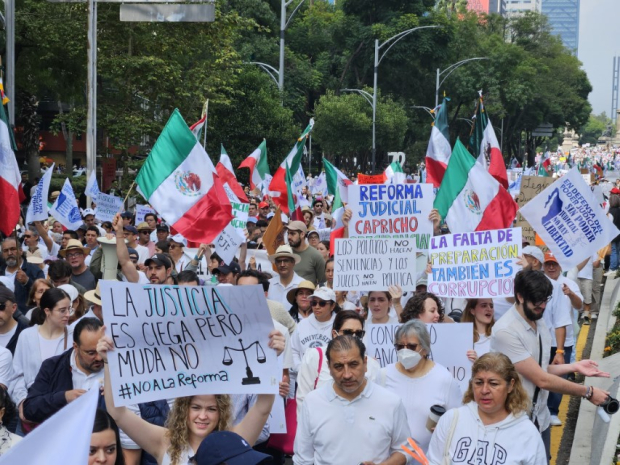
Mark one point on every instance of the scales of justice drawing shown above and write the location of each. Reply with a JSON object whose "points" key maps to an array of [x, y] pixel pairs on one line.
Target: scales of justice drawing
{"points": [[260, 358]]}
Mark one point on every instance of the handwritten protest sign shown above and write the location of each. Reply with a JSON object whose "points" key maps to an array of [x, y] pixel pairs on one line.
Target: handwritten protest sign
{"points": [[569, 220], [141, 211], [107, 207], [449, 346], [361, 264], [531, 186], [474, 265], [324, 234], [391, 210], [174, 341], [261, 257]]}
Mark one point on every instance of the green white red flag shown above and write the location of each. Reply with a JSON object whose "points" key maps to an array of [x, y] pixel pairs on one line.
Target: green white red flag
{"points": [[256, 162], [179, 181], [470, 199], [226, 173], [10, 178], [486, 147], [439, 149]]}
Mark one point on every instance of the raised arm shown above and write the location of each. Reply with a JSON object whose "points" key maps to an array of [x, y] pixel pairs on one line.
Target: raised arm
{"points": [[129, 269], [151, 438]]}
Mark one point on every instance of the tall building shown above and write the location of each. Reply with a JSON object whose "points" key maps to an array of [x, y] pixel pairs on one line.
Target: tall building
{"points": [[487, 6], [514, 7], [564, 20]]}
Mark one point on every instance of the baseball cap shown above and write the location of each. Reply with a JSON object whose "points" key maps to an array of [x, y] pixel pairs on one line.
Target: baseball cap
{"points": [[179, 239], [549, 257], [7, 294], [88, 211], [297, 226], [163, 227], [615, 190], [324, 293], [131, 251], [159, 259], [252, 219], [71, 290], [314, 231], [534, 252], [232, 267], [130, 228], [126, 215], [227, 447], [263, 205]]}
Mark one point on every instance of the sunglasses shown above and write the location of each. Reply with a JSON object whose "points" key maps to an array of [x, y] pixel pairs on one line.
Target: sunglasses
{"points": [[319, 303], [27, 237], [359, 333], [3, 306], [413, 347]]}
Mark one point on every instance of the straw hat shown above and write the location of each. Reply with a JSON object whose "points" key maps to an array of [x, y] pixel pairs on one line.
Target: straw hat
{"points": [[74, 244], [94, 296], [290, 295], [284, 251]]}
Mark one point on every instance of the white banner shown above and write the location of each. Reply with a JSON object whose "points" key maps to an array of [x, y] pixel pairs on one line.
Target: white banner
{"points": [[449, 346], [65, 208], [567, 217], [392, 210], [472, 265], [231, 238], [362, 264], [320, 185], [262, 260], [37, 210], [107, 207], [175, 341], [142, 211]]}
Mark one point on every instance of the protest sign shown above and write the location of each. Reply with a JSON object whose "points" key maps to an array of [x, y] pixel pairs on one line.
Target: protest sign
{"points": [[107, 207], [239, 210], [261, 257], [65, 208], [370, 178], [449, 346], [37, 210], [324, 234], [361, 264], [391, 210], [175, 341], [531, 186], [141, 212], [569, 220], [233, 235], [319, 187], [474, 265]]}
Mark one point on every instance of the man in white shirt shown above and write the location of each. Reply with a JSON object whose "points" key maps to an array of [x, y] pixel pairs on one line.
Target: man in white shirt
{"points": [[351, 418], [285, 261]]}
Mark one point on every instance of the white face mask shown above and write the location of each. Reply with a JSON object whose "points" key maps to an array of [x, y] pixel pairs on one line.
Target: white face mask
{"points": [[409, 358]]}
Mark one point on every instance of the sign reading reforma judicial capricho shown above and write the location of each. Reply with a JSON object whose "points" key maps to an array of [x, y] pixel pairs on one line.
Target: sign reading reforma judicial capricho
{"points": [[477, 264], [391, 211], [174, 341]]}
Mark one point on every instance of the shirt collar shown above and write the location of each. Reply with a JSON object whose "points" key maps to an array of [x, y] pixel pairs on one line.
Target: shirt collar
{"points": [[367, 392], [523, 321]]}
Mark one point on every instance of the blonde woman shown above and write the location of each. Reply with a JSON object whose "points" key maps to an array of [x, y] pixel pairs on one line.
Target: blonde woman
{"points": [[191, 419], [493, 423]]}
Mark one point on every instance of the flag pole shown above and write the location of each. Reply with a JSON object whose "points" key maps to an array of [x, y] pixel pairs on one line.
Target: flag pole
{"points": [[206, 114], [129, 192]]}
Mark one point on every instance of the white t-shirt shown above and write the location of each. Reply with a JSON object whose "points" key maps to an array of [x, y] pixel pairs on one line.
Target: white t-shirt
{"points": [[483, 346], [587, 270], [143, 253], [5, 338], [437, 387], [49, 347]]}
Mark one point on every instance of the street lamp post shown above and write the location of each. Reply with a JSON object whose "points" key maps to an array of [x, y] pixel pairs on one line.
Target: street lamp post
{"points": [[372, 99], [450, 69]]}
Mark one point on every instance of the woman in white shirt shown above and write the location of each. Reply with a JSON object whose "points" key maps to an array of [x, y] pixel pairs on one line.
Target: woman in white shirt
{"points": [[417, 380], [481, 313], [40, 342]]}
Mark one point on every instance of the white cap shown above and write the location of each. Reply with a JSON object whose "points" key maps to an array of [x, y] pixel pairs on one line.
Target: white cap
{"points": [[534, 252], [324, 293], [179, 239], [71, 290], [88, 211]]}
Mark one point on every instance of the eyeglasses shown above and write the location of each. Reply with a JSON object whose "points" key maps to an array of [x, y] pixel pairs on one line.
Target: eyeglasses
{"points": [[540, 304], [359, 333], [319, 205], [65, 310], [319, 303], [74, 254], [284, 261], [27, 237], [413, 347], [2, 306]]}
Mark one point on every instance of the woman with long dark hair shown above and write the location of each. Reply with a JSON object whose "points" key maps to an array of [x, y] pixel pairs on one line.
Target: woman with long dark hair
{"points": [[105, 442]]}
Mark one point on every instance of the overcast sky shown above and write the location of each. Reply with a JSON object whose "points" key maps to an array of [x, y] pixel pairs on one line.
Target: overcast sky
{"points": [[599, 41]]}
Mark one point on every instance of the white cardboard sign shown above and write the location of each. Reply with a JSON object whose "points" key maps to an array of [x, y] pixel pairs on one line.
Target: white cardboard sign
{"points": [[107, 207], [367, 263], [477, 264], [174, 341]]}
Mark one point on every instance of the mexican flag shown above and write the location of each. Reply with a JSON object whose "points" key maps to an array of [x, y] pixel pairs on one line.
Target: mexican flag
{"points": [[291, 198], [544, 169], [180, 182], [258, 166], [486, 147], [10, 178], [198, 126], [227, 175], [337, 183], [470, 199], [394, 174], [277, 186], [439, 149]]}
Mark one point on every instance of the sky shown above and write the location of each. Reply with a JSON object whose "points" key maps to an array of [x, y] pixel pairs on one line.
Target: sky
{"points": [[599, 41]]}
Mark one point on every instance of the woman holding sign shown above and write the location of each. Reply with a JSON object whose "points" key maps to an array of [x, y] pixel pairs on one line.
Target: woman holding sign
{"points": [[418, 381], [479, 312], [191, 419], [492, 423]]}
